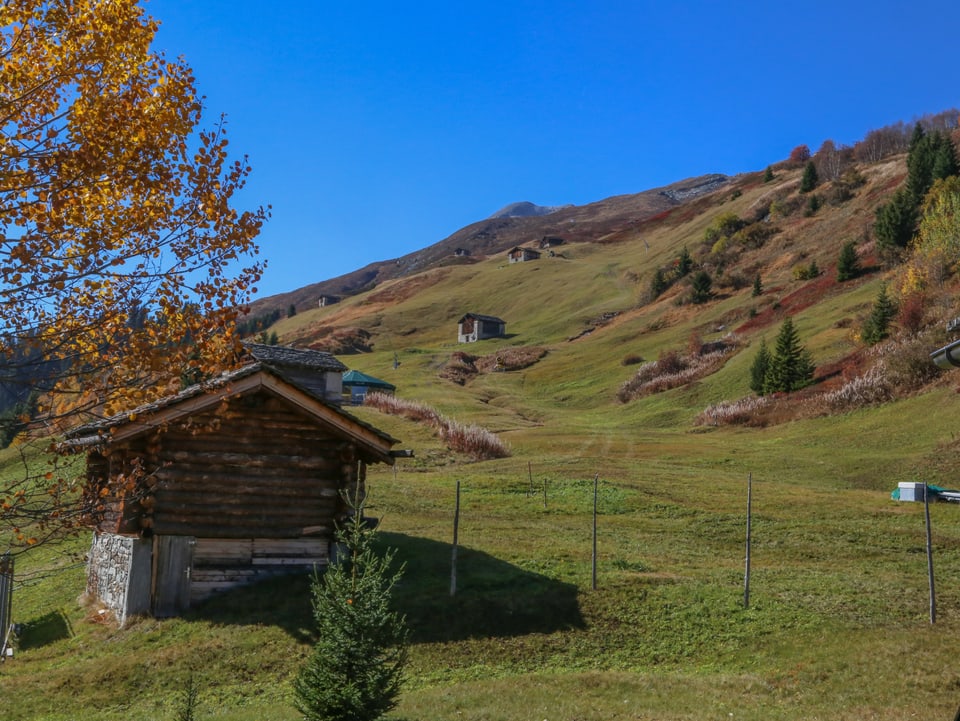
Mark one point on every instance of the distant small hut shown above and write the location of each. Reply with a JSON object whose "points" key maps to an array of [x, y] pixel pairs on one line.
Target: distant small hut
{"points": [[356, 385], [522, 255], [326, 300], [461, 252], [227, 482], [473, 327], [550, 241]]}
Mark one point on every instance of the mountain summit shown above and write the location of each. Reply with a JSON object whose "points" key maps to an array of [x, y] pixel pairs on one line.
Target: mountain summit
{"points": [[525, 209]]}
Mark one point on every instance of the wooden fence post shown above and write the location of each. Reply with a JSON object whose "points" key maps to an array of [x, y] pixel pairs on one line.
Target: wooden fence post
{"points": [[6, 602], [596, 481], [746, 574], [926, 513], [453, 558]]}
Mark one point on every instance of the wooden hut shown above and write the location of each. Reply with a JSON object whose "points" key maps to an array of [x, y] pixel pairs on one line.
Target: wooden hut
{"points": [[522, 255], [225, 483], [474, 326]]}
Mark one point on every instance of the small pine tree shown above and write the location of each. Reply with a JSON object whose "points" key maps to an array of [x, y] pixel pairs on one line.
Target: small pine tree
{"points": [[757, 286], [848, 265], [355, 670], [189, 701], [877, 325], [291, 311], [809, 180], [658, 284], [791, 367], [700, 287], [768, 174], [758, 371], [684, 263]]}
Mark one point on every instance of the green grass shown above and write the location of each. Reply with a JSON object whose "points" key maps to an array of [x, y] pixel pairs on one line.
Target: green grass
{"points": [[837, 625]]}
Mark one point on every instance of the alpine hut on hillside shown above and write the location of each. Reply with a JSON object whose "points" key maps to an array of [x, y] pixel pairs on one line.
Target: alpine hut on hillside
{"points": [[224, 483], [473, 327], [521, 255]]}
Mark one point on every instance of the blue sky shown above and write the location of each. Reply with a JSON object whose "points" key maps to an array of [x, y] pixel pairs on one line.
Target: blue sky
{"points": [[377, 128]]}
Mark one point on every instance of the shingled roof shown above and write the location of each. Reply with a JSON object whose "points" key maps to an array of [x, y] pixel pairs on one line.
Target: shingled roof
{"points": [[285, 356]]}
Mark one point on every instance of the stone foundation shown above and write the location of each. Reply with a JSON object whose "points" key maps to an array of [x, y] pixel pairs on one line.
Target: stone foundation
{"points": [[118, 574]]}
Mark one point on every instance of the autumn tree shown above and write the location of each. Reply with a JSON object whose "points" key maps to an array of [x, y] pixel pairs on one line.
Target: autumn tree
{"points": [[800, 154], [123, 262], [831, 160], [936, 252]]}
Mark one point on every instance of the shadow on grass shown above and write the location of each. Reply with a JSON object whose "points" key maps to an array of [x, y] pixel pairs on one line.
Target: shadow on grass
{"points": [[493, 599], [52, 627]]}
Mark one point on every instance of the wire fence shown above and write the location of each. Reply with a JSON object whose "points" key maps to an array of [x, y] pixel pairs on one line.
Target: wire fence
{"points": [[6, 603]]}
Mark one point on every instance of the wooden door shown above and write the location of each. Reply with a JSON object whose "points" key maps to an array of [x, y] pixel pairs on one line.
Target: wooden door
{"points": [[172, 567]]}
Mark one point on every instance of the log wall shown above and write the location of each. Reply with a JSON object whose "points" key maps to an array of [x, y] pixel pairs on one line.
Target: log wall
{"points": [[255, 468], [220, 564]]}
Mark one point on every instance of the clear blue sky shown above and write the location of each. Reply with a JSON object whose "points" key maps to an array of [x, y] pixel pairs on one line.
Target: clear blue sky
{"points": [[378, 128]]}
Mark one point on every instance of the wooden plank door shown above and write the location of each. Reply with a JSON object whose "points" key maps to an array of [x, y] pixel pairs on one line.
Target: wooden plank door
{"points": [[172, 568]]}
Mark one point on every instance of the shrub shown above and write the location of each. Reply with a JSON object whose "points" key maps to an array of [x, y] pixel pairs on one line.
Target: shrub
{"points": [[869, 388], [741, 412], [908, 364], [806, 272], [631, 359], [912, 312]]}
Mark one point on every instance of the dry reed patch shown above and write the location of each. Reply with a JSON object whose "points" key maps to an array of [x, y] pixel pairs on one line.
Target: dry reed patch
{"points": [[673, 369], [463, 367], [469, 439]]}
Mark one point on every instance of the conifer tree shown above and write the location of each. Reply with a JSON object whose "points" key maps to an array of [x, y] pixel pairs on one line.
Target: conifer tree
{"points": [[757, 286], [810, 179], [700, 287], [791, 367], [658, 284], [758, 371], [768, 174], [848, 265], [895, 222], [355, 670], [877, 325], [684, 263]]}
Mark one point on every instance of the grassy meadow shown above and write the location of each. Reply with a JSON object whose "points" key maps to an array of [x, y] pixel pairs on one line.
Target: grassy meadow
{"points": [[837, 626]]}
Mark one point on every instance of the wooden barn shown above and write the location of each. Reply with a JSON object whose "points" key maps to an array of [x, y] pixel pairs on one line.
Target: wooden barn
{"points": [[521, 255], [473, 327], [228, 482]]}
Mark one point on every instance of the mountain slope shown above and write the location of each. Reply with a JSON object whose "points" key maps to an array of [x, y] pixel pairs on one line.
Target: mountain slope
{"points": [[496, 234]]}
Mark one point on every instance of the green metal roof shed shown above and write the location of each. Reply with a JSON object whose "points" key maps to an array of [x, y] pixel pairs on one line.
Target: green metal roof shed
{"points": [[358, 384]]}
